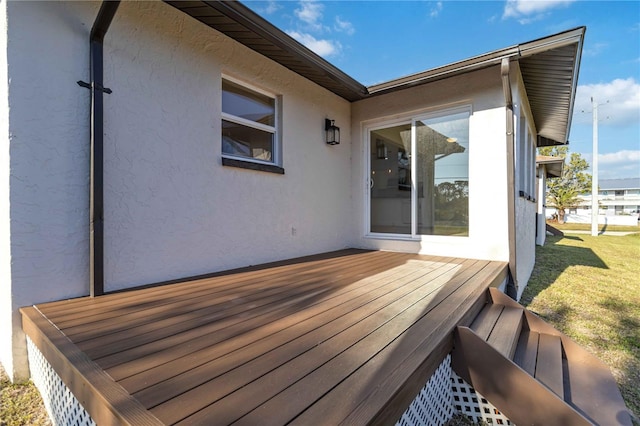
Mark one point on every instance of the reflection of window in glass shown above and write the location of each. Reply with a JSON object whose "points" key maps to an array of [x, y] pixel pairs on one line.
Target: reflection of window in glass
{"points": [[442, 146], [248, 123]]}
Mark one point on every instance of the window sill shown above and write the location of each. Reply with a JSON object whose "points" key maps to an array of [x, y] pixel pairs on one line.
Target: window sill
{"points": [[269, 168]]}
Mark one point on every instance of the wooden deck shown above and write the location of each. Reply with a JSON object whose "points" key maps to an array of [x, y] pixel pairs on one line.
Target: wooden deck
{"points": [[349, 336]]}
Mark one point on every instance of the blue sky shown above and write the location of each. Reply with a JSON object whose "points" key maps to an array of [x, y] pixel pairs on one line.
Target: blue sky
{"points": [[376, 41]]}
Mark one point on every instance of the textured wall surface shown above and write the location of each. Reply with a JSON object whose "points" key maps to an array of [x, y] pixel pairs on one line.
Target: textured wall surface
{"points": [[47, 51], [6, 311], [171, 209], [488, 231]]}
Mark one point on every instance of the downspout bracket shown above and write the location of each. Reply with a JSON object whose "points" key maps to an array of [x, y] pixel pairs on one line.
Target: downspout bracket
{"points": [[97, 86]]}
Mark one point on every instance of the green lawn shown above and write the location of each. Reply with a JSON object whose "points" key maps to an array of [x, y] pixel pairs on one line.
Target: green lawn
{"points": [[589, 288], [587, 227]]}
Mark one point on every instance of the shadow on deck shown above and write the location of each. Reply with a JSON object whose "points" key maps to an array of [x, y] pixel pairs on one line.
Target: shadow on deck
{"points": [[349, 336]]}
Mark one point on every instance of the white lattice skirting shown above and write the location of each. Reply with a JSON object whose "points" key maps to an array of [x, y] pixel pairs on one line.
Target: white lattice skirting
{"points": [[63, 408], [434, 403], [444, 395]]}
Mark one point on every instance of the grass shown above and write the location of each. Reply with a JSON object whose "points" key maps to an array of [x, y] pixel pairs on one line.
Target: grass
{"points": [[587, 227], [20, 404], [588, 287]]}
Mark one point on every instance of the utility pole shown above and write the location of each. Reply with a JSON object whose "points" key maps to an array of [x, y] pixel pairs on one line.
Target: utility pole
{"points": [[594, 177]]}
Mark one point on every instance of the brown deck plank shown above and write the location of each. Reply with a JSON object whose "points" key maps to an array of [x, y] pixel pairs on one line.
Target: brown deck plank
{"points": [[87, 307], [141, 310], [351, 335], [344, 299], [486, 320], [549, 363], [325, 366], [178, 317], [340, 332], [375, 392], [506, 332], [527, 352]]}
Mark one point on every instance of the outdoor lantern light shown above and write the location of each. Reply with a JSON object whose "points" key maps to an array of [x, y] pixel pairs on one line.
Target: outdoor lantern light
{"points": [[333, 132]]}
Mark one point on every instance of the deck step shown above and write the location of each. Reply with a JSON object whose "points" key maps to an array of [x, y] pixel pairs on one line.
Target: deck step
{"points": [[541, 356], [499, 326], [552, 380]]}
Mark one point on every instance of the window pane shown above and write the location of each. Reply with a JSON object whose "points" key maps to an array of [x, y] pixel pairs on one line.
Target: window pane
{"points": [[242, 102], [442, 167], [391, 180], [246, 142]]}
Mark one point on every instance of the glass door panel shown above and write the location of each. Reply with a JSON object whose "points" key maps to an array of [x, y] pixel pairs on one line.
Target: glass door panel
{"points": [[390, 180], [442, 170]]}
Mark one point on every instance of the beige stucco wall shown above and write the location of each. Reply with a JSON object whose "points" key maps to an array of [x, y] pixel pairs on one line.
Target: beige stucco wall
{"points": [[482, 91]]}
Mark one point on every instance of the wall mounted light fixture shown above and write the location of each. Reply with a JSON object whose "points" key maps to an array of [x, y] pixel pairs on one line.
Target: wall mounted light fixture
{"points": [[332, 132]]}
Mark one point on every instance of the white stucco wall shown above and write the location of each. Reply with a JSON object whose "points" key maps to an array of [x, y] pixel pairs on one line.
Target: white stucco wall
{"points": [[541, 215], [525, 208], [171, 209], [6, 311], [47, 52], [488, 230]]}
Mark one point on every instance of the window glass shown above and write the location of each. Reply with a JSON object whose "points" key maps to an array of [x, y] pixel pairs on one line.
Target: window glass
{"points": [[247, 104], [442, 146], [248, 123], [245, 141]]}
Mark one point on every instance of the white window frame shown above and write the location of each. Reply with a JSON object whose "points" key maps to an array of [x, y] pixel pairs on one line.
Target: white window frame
{"points": [[276, 156]]}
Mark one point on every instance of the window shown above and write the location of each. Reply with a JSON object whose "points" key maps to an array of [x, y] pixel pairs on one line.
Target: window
{"points": [[526, 158], [249, 125], [419, 176]]}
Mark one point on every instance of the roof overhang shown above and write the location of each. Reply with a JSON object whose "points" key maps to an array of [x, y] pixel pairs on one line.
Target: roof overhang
{"points": [[554, 165], [237, 21], [549, 66]]}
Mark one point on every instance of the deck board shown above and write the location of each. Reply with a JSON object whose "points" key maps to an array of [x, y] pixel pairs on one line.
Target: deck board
{"points": [[351, 334]]}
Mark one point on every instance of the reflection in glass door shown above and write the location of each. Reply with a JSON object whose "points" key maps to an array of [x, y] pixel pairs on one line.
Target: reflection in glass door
{"points": [[390, 180], [438, 202]]}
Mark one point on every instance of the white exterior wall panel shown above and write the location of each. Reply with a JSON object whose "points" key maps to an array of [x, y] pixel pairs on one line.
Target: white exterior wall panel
{"points": [[482, 91]]}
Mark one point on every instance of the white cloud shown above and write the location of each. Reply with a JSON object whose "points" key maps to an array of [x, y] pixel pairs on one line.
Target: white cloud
{"points": [[594, 49], [618, 102], [344, 26], [321, 47], [527, 11], [310, 12], [435, 10], [623, 156], [616, 165], [272, 7]]}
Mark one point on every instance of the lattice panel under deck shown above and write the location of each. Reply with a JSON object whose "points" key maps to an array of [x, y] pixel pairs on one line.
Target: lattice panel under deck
{"points": [[434, 403], [470, 403], [61, 404]]}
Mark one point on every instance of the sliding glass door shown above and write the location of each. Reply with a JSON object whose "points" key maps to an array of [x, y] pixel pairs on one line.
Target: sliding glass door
{"points": [[419, 176]]}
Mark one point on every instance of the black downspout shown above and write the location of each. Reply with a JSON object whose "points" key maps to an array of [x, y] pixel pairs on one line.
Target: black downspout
{"points": [[96, 208]]}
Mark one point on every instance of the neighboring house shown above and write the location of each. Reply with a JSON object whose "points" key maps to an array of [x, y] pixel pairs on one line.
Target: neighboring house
{"points": [[215, 153], [618, 203], [547, 167], [615, 197]]}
